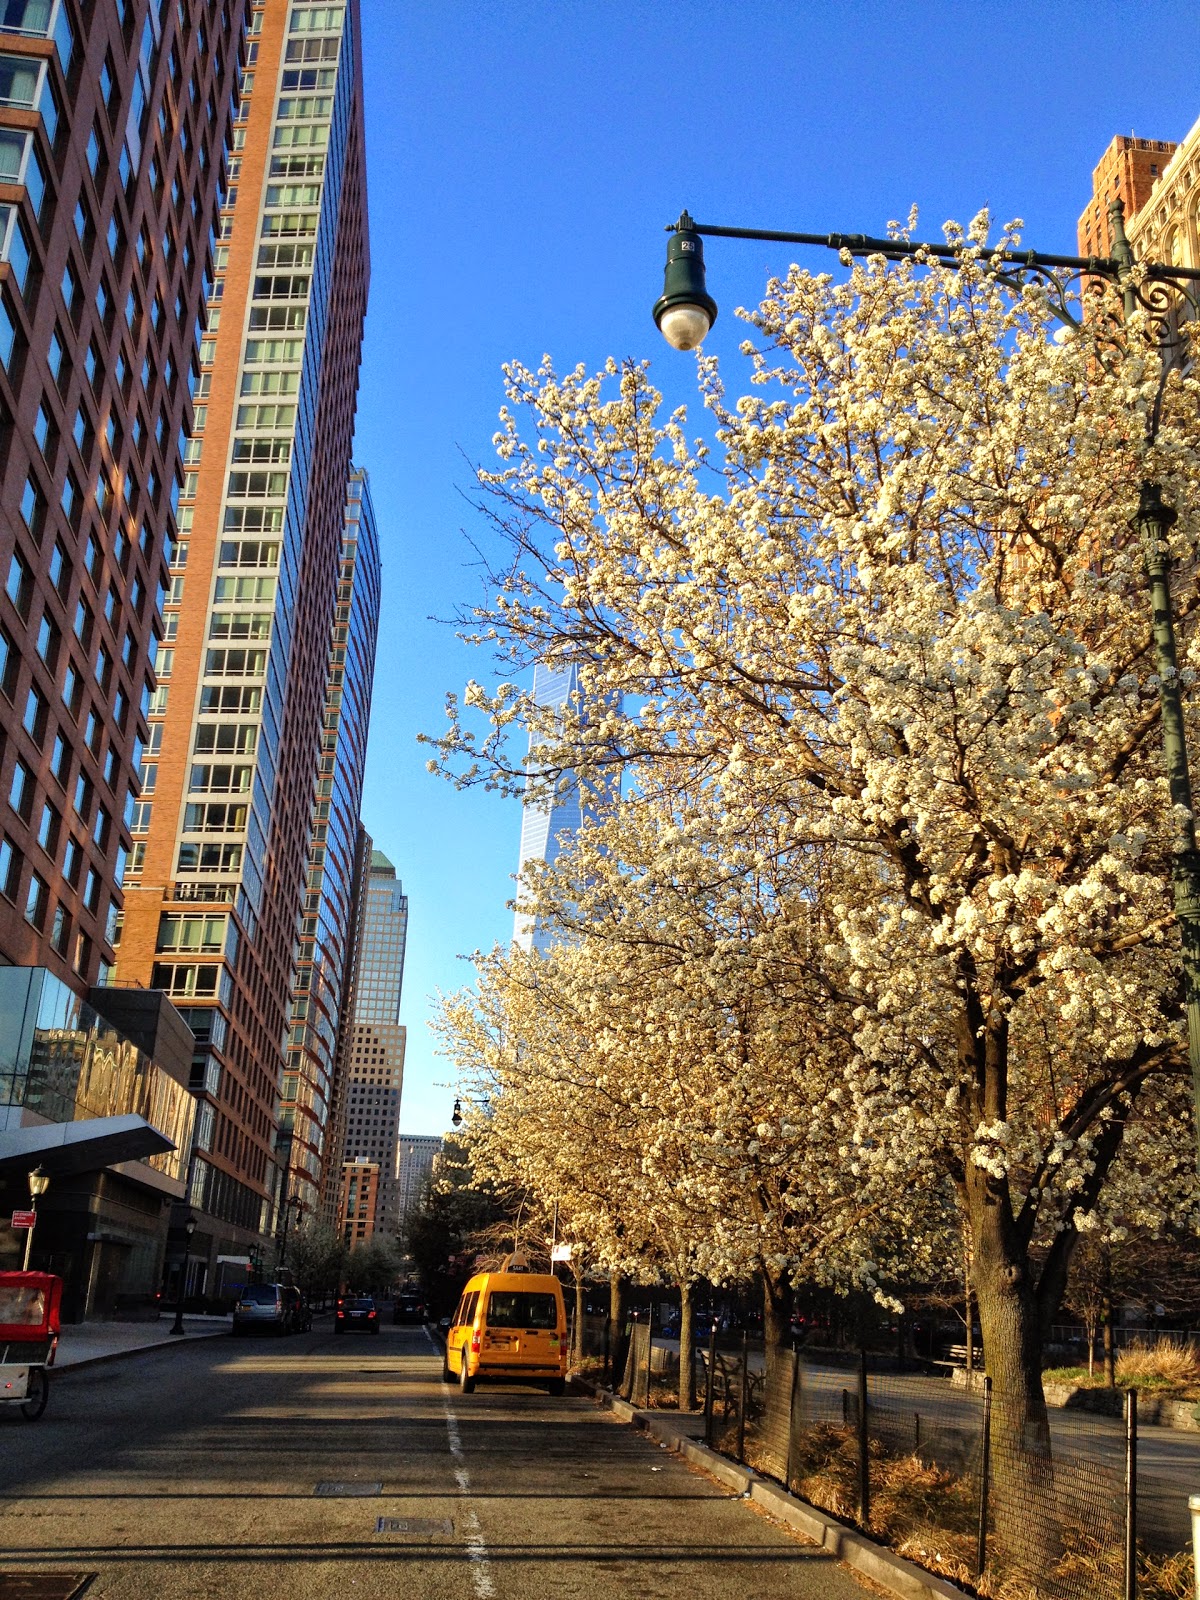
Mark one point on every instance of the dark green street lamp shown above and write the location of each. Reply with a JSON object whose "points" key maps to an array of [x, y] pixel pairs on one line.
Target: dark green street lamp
{"points": [[686, 311], [189, 1228]]}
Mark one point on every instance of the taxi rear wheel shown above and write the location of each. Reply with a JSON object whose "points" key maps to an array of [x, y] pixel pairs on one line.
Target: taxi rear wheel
{"points": [[447, 1375], [465, 1381]]}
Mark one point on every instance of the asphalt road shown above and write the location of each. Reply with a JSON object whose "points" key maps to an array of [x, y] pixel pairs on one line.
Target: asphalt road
{"points": [[193, 1472]]}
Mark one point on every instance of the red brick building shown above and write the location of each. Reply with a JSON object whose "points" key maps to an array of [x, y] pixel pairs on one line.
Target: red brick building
{"points": [[1128, 171], [114, 118]]}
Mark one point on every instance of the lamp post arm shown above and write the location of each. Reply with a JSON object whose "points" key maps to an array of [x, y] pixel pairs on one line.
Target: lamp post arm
{"points": [[863, 244], [1113, 267]]}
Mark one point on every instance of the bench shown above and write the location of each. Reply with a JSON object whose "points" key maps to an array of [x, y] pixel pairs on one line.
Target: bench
{"points": [[956, 1356], [727, 1384]]}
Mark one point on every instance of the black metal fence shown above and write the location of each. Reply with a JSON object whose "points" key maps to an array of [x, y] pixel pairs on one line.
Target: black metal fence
{"points": [[946, 1473]]}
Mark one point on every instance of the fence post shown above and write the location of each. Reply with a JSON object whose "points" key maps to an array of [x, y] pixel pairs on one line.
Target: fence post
{"points": [[649, 1357], [744, 1397], [708, 1387], [917, 1434], [1130, 1591], [984, 1476], [864, 1454], [787, 1470], [608, 1352]]}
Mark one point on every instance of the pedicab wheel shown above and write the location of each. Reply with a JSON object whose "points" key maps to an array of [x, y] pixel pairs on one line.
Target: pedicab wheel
{"points": [[557, 1386], [39, 1394]]}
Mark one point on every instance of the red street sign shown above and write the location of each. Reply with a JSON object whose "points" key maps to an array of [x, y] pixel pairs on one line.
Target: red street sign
{"points": [[24, 1219]]}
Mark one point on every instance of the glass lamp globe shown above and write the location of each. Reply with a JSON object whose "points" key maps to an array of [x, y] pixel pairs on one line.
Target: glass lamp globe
{"points": [[684, 326]]}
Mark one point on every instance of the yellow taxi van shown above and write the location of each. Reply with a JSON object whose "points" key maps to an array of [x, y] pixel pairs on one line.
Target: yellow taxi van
{"points": [[509, 1324]]}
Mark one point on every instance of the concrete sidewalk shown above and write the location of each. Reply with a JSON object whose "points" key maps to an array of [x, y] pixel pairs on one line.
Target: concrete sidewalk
{"points": [[682, 1433], [81, 1344]]}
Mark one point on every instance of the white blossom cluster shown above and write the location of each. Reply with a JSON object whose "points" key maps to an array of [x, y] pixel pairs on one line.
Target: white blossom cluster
{"points": [[885, 911]]}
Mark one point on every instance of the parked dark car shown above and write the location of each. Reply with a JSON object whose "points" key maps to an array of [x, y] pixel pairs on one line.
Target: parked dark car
{"points": [[356, 1312], [298, 1308], [408, 1308]]}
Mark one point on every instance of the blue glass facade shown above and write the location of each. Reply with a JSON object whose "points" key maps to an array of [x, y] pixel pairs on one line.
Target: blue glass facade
{"points": [[323, 969]]}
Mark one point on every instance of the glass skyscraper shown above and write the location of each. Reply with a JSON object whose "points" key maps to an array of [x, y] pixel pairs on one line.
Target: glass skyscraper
{"points": [[324, 967], [375, 1056], [544, 823]]}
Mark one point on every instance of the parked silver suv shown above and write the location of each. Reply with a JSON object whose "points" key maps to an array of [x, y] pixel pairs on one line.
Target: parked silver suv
{"points": [[264, 1306]]}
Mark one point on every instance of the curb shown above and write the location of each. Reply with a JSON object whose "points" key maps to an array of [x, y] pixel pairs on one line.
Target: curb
{"points": [[847, 1545], [134, 1350]]}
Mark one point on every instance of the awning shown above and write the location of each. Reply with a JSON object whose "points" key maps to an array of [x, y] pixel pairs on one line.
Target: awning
{"points": [[63, 1148]]}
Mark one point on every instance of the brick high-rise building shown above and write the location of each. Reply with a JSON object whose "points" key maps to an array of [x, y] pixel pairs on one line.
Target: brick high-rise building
{"points": [[322, 987], [114, 118], [218, 874], [1127, 171]]}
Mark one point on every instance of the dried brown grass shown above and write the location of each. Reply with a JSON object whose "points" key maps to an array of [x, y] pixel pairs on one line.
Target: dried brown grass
{"points": [[1162, 1362], [929, 1515]]}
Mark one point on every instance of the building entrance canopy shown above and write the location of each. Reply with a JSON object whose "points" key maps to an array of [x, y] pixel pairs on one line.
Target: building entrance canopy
{"points": [[63, 1148]]}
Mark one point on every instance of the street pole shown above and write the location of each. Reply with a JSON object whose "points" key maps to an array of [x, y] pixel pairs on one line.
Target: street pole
{"points": [[1153, 522], [189, 1228], [39, 1182]]}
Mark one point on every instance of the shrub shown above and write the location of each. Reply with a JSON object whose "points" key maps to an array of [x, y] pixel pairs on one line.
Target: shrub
{"points": [[1162, 1362]]}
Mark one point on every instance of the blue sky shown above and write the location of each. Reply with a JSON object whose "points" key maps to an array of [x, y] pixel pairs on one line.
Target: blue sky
{"points": [[523, 160]]}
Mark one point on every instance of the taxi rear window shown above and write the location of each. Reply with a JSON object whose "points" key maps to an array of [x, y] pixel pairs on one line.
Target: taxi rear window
{"points": [[518, 1308]]}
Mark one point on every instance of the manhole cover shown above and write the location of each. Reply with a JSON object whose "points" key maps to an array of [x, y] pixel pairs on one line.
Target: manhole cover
{"points": [[340, 1491], [43, 1585], [421, 1526]]}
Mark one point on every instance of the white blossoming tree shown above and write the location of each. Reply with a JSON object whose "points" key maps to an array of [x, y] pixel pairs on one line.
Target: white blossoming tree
{"points": [[896, 612]]}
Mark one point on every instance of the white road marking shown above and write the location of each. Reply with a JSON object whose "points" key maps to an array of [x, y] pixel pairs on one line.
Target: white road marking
{"points": [[477, 1551]]}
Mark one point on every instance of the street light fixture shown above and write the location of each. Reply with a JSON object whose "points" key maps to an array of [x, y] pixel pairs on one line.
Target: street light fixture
{"points": [[39, 1182], [189, 1229], [457, 1115], [685, 312]]}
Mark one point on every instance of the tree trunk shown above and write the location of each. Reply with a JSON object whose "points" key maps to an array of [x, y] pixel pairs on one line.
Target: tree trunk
{"points": [[1110, 1354], [580, 1314], [1090, 1325], [687, 1349], [968, 1308], [776, 1305], [616, 1303], [1028, 1535]]}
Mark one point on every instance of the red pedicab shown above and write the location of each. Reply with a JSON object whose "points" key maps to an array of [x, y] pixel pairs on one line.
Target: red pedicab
{"points": [[30, 1304]]}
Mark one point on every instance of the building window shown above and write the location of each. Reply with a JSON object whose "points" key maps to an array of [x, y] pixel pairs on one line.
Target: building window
{"points": [[10, 868], [19, 587], [36, 901], [47, 834], [19, 81], [33, 508]]}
